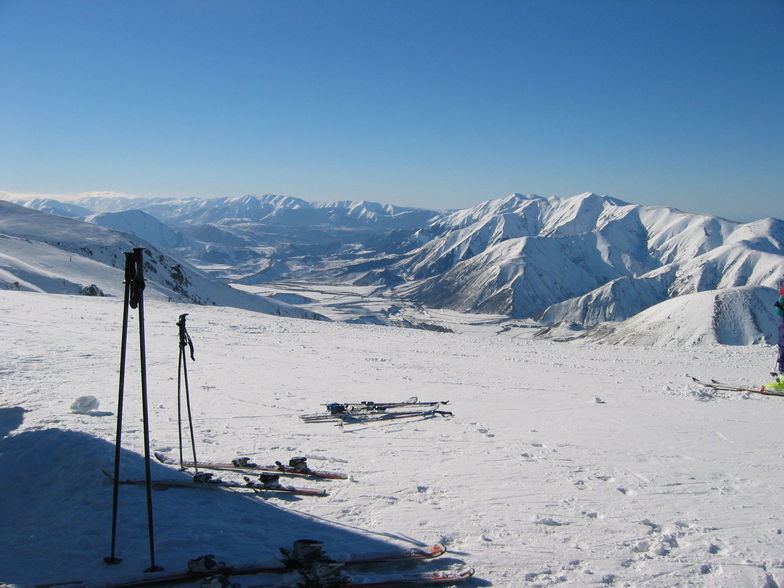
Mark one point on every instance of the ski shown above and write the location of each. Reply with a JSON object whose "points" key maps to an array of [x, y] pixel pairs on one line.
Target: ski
{"points": [[296, 467], [203, 482], [370, 417], [448, 578], [369, 405], [368, 410], [206, 566], [716, 385]]}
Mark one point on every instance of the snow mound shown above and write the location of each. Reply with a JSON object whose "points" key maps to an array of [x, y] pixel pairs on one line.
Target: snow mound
{"points": [[85, 405]]}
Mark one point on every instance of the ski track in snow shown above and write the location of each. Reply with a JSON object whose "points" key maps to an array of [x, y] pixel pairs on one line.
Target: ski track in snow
{"points": [[564, 463]]}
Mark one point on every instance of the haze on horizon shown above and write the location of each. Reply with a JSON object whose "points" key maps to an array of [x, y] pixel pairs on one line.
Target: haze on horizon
{"points": [[439, 104]]}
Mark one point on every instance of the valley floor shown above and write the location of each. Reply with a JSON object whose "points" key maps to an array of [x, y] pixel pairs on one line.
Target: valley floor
{"points": [[564, 463]]}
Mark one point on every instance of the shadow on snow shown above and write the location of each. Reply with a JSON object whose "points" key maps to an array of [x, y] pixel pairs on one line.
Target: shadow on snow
{"points": [[11, 419], [56, 508]]}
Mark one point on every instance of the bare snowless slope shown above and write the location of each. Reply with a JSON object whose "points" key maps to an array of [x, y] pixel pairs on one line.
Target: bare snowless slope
{"points": [[564, 464]]}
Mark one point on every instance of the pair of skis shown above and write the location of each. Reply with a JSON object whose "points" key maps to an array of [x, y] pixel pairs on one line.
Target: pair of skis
{"points": [[315, 569], [206, 482], [205, 567], [369, 405], [371, 417], [242, 464], [367, 411], [424, 579], [716, 385], [267, 483]]}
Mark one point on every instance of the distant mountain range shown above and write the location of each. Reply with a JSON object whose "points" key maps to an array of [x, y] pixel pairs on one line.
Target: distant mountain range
{"points": [[570, 263], [44, 252]]}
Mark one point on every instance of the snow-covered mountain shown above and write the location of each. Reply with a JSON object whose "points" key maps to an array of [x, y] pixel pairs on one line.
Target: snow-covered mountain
{"points": [[43, 252], [580, 261], [238, 238], [267, 209], [141, 224], [584, 259]]}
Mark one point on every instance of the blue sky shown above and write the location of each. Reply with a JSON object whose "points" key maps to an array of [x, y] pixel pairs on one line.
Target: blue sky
{"points": [[433, 103]]}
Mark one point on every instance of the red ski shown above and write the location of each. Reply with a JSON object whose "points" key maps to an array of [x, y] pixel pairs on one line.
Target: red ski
{"points": [[208, 567]]}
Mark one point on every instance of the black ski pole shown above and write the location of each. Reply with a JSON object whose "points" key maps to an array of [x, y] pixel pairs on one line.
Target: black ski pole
{"points": [[182, 375], [137, 300], [179, 393], [112, 558]]}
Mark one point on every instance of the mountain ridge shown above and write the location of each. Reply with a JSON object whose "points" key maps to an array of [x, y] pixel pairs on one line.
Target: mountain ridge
{"points": [[582, 260]]}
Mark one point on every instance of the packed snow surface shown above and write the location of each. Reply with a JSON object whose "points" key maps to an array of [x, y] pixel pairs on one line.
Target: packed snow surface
{"points": [[569, 464]]}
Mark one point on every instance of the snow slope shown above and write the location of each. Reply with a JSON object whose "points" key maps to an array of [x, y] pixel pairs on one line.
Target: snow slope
{"points": [[730, 316], [568, 464]]}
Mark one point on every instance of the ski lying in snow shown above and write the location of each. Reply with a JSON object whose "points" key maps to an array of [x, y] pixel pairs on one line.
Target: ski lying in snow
{"points": [[296, 467], [370, 406], [205, 481], [206, 566], [369, 417], [716, 385], [449, 578]]}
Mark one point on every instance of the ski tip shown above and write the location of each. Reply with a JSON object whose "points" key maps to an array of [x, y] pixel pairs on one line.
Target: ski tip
{"points": [[437, 550]]}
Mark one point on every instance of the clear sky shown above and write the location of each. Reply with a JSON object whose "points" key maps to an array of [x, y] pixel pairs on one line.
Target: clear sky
{"points": [[433, 103]]}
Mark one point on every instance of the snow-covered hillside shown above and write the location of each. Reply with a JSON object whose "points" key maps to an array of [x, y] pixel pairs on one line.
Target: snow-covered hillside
{"points": [[141, 224], [49, 253], [564, 464], [730, 316]]}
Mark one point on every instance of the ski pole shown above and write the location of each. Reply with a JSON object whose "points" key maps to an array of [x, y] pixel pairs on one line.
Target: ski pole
{"points": [[112, 558], [185, 341], [137, 300]]}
